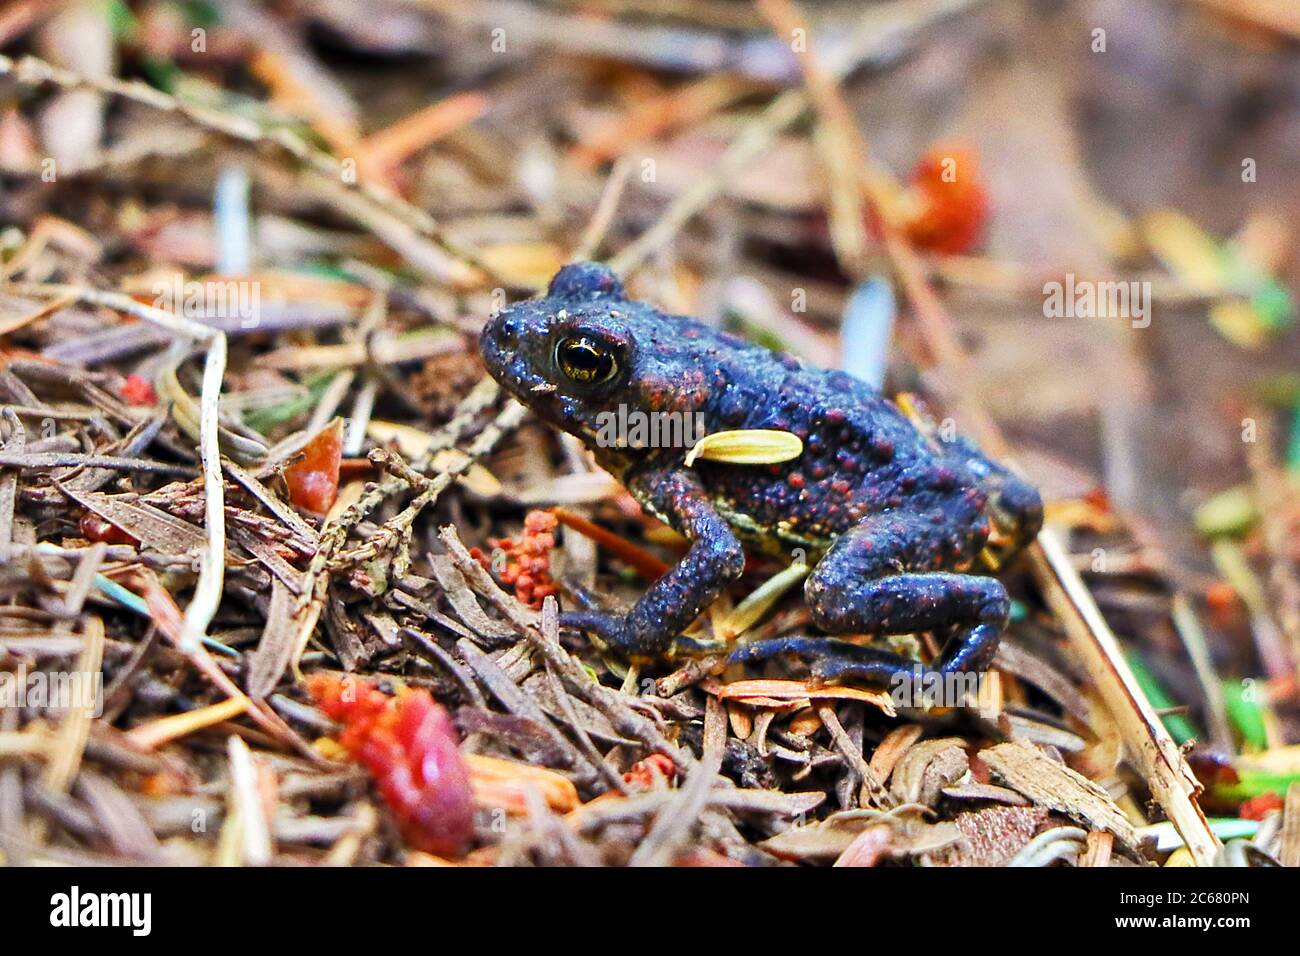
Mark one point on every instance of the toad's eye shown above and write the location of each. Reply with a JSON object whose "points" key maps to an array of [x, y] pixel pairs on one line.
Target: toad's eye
{"points": [[585, 360]]}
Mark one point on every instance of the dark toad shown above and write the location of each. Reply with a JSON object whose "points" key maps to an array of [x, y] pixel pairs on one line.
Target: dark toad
{"points": [[895, 518]]}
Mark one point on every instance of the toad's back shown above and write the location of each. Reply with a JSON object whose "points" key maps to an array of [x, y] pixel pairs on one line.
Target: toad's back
{"points": [[861, 455]]}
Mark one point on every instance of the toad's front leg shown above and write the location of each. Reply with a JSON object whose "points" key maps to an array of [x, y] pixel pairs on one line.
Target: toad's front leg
{"points": [[714, 560]]}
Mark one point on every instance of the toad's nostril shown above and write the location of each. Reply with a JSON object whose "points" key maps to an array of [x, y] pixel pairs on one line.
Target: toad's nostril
{"points": [[507, 331]]}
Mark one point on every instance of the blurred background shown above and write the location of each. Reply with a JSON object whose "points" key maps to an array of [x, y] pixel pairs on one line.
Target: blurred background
{"points": [[1015, 146]]}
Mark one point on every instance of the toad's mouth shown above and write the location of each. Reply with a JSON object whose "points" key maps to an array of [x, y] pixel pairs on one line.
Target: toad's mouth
{"points": [[510, 370]]}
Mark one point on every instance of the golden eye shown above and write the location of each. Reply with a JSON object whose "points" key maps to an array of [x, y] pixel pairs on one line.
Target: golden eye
{"points": [[585, 361]]}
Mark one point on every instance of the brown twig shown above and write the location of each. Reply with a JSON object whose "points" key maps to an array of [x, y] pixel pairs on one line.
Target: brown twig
{"points": [[625, 720]]}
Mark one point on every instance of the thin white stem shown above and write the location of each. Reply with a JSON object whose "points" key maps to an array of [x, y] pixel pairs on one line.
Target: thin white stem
{"points": [[207, 592]]}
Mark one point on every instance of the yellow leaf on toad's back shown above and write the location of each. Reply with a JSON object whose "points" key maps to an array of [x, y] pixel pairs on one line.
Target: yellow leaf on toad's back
{"points": [[748, 446]]}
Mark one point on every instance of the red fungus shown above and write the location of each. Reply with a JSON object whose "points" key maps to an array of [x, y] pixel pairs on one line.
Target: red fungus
{"points": [[410, 748]]}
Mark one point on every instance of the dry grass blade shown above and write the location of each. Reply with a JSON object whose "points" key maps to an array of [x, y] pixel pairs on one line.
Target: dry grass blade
{"points": [[83, 579], [267, 664], [781, 113], [1289, 855], [69, 741], [164, 730], [761, 600], [594, 234], [54, 459], [1193, 637], [189, 414], [1155, 752], [873, 791], [14, 441], [247, 815], [837, 136]]}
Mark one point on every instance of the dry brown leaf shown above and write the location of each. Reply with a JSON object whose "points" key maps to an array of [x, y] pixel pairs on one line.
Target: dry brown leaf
{"points": [[927, 768], [830, 839], [503, 784], [892, 748], [778, 693], [1028, 770], [868, 848], [152, 527]]}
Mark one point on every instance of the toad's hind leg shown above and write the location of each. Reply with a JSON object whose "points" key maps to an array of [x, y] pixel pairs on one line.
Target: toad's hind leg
{"points": [[871, 582]]}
